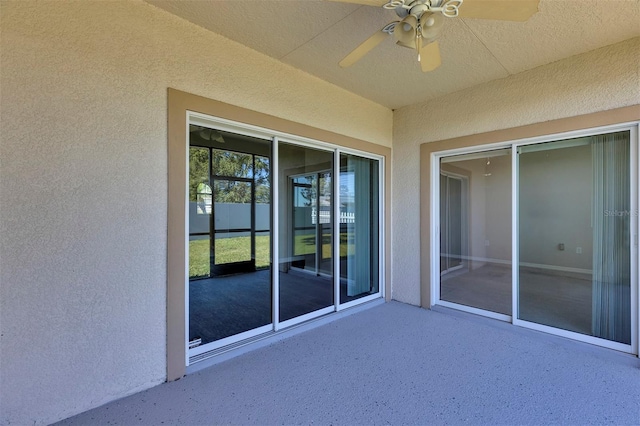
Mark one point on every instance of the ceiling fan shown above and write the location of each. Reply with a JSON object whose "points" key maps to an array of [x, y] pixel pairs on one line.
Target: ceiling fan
{"points": [[421, 22]]}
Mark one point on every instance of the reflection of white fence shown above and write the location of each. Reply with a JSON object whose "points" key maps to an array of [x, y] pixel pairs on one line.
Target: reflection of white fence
{"points": [[325, 217], [347, 217], [237, 215]]}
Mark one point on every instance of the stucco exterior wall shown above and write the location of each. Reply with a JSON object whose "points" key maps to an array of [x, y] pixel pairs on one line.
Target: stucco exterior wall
{"points": [[83, 186], [600, 80]]}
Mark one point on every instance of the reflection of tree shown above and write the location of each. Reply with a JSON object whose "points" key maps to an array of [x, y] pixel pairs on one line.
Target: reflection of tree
{"points": [[232, 191], [325, 189], [230, 164], [261, 177], [309, 192], [198, 170]]}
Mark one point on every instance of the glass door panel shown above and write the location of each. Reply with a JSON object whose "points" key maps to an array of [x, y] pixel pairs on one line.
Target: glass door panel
{"points": [[574, 225], [359, 227], [230, 205], [305, 206], [475, 230]]}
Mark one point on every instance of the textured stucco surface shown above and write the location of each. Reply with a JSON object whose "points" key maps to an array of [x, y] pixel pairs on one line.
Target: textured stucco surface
{"points": [[601, 80], [319, 34], [83, 186]]}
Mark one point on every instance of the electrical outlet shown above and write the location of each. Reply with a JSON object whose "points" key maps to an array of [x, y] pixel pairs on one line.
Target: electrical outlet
{"points": [[579, 250]]}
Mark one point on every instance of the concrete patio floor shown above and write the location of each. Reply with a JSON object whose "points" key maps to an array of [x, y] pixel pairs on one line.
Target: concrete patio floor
{"points": [[399, 364]]}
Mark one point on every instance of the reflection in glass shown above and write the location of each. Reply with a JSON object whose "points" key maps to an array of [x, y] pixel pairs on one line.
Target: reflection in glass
{"points": [[232, 164], [359, 227], [233, 221], [199, 257], [262, 197], [230, 205], [304, 219], [305, 230], [475, 230], [574, 217], [230, 195], [199, 213]]}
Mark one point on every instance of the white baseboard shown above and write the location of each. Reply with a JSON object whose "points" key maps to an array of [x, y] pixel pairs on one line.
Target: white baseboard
{"points": [[556, 268]]}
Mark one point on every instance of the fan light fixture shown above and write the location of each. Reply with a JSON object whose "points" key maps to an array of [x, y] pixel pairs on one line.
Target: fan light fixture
{"points": [[422, 22]]}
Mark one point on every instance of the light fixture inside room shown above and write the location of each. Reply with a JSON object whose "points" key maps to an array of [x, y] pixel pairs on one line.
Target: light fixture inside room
{"points": [[487, 173]]}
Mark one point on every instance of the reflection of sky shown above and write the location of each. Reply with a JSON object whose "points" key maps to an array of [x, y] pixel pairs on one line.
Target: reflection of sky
{"points": [[347, 183]]}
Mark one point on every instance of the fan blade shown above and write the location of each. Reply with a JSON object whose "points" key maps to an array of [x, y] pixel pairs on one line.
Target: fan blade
{"points": [[363, 49], [500, 10], [430, 57], [375, 3]]}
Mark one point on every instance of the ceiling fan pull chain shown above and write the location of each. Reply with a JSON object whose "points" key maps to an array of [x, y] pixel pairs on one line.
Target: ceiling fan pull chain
{"points": [[418, 39]]}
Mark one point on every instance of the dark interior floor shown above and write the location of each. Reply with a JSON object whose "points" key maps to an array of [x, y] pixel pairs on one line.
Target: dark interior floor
{"points": [[554, 298], [224, 306]]}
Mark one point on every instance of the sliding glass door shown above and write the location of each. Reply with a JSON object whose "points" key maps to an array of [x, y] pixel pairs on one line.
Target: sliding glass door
{"points": [[305, 230], [475, 231], [359, 227], [324, 253], [229, 236], [574, 217], [567, 211]]}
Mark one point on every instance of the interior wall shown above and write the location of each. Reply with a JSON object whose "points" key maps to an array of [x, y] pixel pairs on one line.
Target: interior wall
{"points": [[489, 212], [83, 186], [498, 220], [555, 208], [477, 214], [600, 80]]}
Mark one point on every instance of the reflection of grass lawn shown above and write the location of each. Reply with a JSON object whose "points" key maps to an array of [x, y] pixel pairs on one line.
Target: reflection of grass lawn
{"points": [[306, 244], [237, 249], [198, 258], [228, 250]]}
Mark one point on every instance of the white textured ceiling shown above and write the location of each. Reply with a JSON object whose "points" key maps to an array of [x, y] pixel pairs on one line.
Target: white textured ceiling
{"points": [[314, 35]]}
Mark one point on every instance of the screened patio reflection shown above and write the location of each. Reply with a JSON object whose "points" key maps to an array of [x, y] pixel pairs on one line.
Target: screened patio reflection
{"points": [[236, 291]]}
